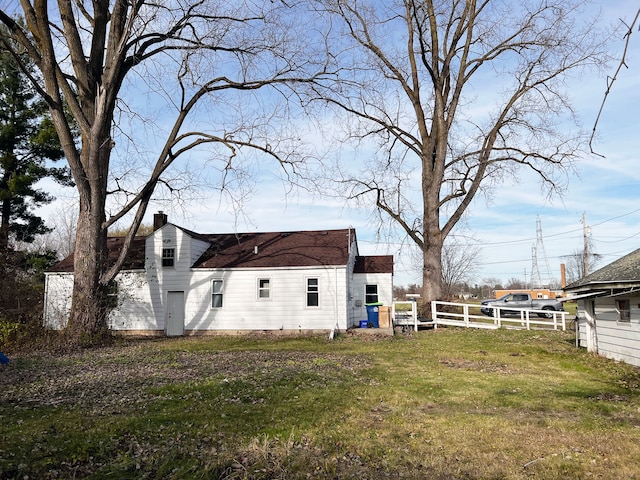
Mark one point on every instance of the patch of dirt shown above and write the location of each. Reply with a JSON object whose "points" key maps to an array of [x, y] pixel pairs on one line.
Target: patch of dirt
{"points": [[476, 365], [113, 377]]}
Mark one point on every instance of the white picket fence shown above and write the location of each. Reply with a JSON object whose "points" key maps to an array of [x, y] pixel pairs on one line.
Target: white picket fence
{"points": [[407, 317], [515, 318], [458, 315]]}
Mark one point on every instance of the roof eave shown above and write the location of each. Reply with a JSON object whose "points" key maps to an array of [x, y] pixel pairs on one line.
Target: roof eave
{"points": [[599, 285]]}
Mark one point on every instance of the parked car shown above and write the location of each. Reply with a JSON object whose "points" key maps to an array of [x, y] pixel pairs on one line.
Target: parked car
{"points": [[521, 301]]}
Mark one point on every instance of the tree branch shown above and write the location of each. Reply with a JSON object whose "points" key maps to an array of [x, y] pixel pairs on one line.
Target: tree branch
{"points": [[611, 80]]}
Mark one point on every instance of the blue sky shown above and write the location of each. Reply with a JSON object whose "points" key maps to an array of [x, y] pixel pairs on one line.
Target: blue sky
{"points": [[606, 189]]}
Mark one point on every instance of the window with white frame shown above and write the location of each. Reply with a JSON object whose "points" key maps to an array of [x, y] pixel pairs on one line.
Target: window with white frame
{"points": [[313, 292], [168, 257], [371, 293], [216, 293], [264, 288], [624, 310], [112, 294]]}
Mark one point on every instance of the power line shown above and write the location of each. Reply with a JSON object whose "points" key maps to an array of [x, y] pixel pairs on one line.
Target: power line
{"points": [[567, 232], [615, 218]]}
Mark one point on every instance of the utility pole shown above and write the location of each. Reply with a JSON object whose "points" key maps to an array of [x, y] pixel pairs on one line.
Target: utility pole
{"points": [[585, 253]]}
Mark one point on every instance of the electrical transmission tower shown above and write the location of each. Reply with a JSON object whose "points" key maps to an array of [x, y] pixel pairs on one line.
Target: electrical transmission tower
{"points": [[538, 254]]}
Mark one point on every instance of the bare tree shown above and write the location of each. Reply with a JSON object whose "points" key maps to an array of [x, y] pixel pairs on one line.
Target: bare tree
{"points": [[197, 52], [460, 263], [574, 263], [62, 237], [516, 284], [458, 96], [64, 221]]}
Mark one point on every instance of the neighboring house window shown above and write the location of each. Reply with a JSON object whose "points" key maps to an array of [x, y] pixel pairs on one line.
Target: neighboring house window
{"points": [[624, 310], [216, 294], [313, 299], [168, 257], [264, 288], [371, 294]]}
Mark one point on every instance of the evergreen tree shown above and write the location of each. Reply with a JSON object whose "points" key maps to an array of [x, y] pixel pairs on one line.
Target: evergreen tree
{"points": [[28, 142]]}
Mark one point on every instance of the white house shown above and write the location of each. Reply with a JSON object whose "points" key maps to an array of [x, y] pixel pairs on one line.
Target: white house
{"points": [[178, 282], [609, 309]]}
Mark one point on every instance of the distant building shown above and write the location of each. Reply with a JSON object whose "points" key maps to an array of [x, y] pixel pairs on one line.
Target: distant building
{"points": [[534, 292]]}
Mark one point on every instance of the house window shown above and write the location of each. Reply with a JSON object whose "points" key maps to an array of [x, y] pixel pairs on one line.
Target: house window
{"points": [[264, 288], [168, 257], [112, 294], [624, 311], [313, 299], [216, 294], [371, 294]]}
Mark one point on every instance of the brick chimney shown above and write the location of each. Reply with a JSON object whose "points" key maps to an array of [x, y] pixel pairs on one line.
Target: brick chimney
{"points": [[159, 220]]}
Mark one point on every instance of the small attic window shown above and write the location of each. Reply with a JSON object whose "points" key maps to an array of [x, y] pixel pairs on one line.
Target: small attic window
{"points": [[168, 257]]}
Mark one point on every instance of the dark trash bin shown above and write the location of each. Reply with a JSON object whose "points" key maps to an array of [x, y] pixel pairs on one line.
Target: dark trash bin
{"points": [[372, 315]]}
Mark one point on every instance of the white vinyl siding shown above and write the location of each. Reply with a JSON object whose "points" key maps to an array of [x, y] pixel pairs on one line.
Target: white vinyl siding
{"points": [[160, 280], [285, 310], [616, 339], [58, 289], [384, 282], [132, 311]]}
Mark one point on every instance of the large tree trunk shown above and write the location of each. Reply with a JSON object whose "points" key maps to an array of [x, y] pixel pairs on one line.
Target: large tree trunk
{"points": [[89, 308], [432, 258], [88, 319]]}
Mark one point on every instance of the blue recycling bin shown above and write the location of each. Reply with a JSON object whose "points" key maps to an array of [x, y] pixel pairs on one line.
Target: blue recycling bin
{"points": [[372, 315]]}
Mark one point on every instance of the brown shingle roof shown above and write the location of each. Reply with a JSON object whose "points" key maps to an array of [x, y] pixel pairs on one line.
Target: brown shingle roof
{"points": [[374, 264], [134, 260], [625, 270], [276, 249]]}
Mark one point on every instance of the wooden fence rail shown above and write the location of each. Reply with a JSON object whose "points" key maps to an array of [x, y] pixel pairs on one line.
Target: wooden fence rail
{"points": [[405, 314], [459, 315]]}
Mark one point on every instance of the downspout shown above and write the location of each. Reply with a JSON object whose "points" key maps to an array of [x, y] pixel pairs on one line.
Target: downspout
{"points": [[335, 302], [45, 313]]}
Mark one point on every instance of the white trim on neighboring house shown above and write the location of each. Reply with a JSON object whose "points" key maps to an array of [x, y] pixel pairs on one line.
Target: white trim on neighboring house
{"points": [[627, 292], [591, 328], [578, 297]]}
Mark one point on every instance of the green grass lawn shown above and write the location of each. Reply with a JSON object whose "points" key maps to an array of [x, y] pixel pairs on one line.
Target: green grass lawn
{"points": [[445, 404]]}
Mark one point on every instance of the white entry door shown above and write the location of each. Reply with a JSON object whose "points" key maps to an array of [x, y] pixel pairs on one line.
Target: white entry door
{"points": [[175, 314]]}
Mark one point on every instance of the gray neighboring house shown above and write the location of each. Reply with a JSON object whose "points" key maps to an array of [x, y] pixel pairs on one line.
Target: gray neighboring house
{"points": [[609, 309]]}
